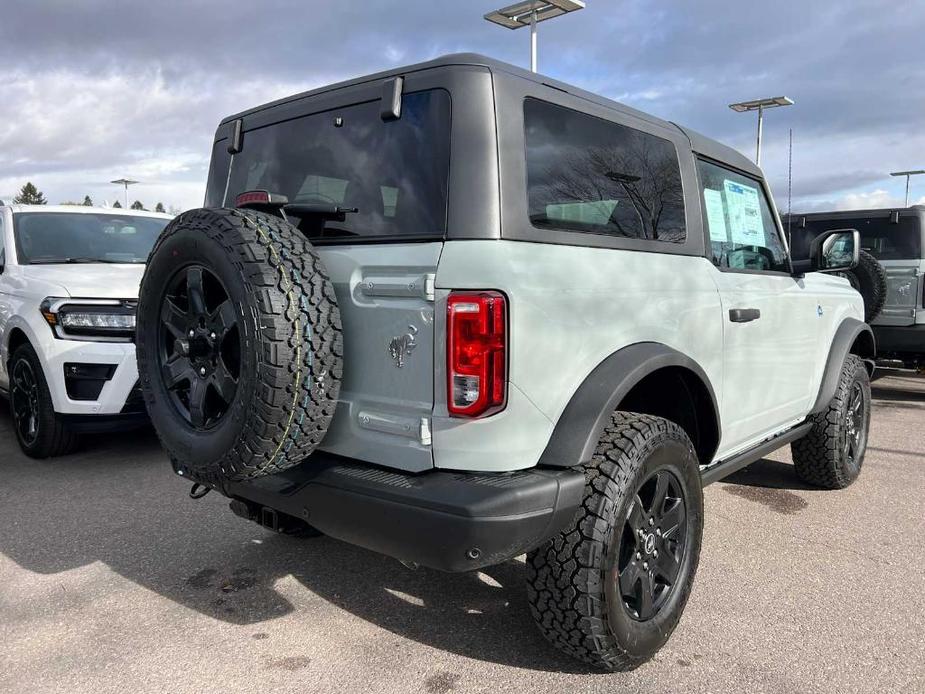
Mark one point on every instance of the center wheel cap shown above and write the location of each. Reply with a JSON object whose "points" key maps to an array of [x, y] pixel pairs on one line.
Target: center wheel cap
{"points": [[649, 544]]}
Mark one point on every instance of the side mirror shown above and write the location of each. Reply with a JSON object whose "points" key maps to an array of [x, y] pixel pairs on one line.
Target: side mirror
{"points": [[835, 250]]}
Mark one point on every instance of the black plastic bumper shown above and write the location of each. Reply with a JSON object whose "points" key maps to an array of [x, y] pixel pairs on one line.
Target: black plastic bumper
{"points": [[906, 340], [453, 521]]}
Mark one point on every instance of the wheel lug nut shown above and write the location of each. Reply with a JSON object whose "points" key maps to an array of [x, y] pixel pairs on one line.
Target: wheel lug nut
{"points": [[638, 555], [202, 371], [212, 336], [658, 531], [645, 566], [192, 333], [651, 521], [655, 553]]}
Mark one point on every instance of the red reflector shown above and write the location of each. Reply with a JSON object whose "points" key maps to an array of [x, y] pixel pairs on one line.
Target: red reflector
{"points": [[476, 353], [252, 197]]}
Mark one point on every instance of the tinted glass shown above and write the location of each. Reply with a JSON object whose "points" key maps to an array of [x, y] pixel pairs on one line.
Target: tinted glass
{"points": [[588, 174], [218, 174], [743, 233], [879, 237], [60, 237], [393, 172]]}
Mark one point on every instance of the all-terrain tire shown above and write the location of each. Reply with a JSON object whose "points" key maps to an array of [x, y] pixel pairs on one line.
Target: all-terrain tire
{"points": [[869, 279], [822, 457], [288, 349], [52, 436], [572, 579]]}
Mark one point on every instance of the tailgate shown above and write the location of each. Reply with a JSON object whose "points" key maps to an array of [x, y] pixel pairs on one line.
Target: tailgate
{"points": [[385, 296], [903, 297]]}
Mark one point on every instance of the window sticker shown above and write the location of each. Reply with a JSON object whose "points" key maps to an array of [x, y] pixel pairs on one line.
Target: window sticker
{"points": [[716, 215], [744, 206]]}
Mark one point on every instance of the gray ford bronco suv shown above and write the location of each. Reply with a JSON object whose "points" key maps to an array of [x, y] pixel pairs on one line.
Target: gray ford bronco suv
{"points": [[458, 312]]}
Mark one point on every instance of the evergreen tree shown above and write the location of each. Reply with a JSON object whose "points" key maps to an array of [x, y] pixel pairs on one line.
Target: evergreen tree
{"points": [[117, 204], [87, 201], [29, 195], [159, 207], [137, 205]]}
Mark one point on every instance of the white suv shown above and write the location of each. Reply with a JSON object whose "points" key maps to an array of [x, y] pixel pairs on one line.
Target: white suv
{"points": [[68, 288]]}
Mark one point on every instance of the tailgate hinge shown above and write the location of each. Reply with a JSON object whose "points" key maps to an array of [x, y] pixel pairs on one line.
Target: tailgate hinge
{"points": [[430, 282], [424, 432]]}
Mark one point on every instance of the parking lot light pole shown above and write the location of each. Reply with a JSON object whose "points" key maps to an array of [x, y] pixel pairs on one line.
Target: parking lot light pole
{"points": [[530, 13], [908, 175], [125, 182], [760, 105]]}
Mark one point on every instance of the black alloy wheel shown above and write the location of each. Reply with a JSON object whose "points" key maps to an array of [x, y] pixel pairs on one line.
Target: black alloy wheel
{"points": [[652, 545], [200, 346], [855, 424], [24, 401]]}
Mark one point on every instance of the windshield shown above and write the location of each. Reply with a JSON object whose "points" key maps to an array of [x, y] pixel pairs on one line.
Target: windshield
{"points": [[49, 238], [391, 176]]}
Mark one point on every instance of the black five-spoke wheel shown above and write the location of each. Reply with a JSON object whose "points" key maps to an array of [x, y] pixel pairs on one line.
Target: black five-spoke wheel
{"points": [[652, 545], [200, 355], [24, 401]]}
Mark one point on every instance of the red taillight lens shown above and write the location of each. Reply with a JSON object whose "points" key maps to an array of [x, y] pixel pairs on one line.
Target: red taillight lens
{"points": [[252, 197], [476, 353]]}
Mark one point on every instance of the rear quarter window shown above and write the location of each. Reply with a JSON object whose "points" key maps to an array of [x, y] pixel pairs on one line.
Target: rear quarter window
{"points": [[592, 175]]}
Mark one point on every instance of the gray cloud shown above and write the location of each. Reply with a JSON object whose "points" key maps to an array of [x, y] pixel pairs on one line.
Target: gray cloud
{"points": [[95, 90]]}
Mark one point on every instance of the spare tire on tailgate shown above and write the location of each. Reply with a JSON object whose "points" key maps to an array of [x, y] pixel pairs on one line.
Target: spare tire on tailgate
{"points": [[239, 344], [869, 279]]}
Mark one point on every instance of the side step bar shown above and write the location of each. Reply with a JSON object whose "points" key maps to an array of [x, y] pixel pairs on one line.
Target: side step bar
{"points": [[724, 468]]}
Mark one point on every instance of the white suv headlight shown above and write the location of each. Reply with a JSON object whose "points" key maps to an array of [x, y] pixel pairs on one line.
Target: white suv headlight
{"points": [[90, 319]]}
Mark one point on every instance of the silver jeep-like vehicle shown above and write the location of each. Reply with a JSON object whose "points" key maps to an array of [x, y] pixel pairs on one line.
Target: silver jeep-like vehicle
{"points": [[458, 312]]}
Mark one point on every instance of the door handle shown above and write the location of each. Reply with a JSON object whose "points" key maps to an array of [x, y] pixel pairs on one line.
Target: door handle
{"points": [[744, 315]]}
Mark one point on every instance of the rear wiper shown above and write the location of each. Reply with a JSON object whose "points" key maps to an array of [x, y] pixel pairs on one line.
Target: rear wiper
{"points": [[323, 209]]}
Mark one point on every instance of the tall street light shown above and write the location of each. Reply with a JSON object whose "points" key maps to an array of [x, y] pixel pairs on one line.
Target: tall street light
{"points": [[760, 105], [125, 182], [908, 175], [531, 13]]}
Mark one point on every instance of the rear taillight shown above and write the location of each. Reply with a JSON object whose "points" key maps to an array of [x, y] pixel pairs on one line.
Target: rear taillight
{"points": [[476, 353]]}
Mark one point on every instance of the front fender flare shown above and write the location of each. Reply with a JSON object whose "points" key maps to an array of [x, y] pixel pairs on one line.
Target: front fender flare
{"points": [[576, 433], [845, 338]]}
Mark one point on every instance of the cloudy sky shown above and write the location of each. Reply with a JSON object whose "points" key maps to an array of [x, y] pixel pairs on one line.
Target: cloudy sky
{"points": [[91, 90]]}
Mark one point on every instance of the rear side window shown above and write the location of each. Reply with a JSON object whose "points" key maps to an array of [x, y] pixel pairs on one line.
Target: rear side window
{"points": [[743, 233], [589, 174], [879, 237], [218, 174], [393, 172]]}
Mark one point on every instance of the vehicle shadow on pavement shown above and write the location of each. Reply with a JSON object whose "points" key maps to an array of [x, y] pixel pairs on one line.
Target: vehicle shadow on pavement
{"points": [[769, 474], [116, 502]]}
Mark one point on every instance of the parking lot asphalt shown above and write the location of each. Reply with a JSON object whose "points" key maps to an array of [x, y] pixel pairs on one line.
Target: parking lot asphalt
{"points": [[113, 580]]}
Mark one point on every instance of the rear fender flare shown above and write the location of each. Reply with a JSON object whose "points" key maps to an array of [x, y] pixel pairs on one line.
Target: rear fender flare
{"points": [[578, 430]]}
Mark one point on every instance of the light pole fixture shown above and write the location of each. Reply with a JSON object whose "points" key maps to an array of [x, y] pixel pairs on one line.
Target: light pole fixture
{"points": [[125, 182], [760, 105], [531, 13], [908, 175]]}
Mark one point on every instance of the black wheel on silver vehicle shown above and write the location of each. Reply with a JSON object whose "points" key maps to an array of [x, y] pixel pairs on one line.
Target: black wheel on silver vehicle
{"points": [[39, 431], [652, 545], [610, 589], [238, 343], [200, 346], [832, 453]]}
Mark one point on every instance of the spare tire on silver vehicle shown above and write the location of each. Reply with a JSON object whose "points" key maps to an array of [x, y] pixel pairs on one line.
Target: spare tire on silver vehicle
{"points": [[239, 344]]}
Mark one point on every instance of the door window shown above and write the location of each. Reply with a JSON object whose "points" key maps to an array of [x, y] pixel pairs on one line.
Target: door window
{"points": [[743, 232]]}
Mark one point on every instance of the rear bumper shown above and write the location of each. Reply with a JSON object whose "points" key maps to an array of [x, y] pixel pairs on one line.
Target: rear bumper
{"points": [[907, 340], [452, 521]]}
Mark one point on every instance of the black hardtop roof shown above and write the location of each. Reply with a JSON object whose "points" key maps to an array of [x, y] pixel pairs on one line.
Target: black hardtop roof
{"points": [[699, 143], [918, 210]]}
